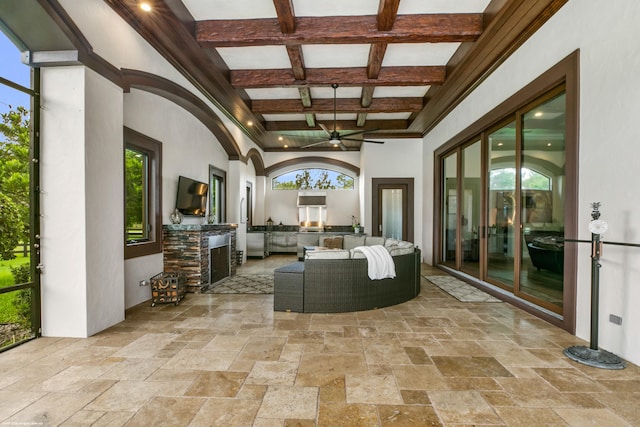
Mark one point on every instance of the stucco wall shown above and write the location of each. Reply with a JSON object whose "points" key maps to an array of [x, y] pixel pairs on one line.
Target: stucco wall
{"points": [[82, 221], [609, 102]]}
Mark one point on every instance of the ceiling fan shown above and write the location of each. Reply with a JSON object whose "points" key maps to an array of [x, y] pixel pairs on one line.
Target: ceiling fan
{"points": [[334, 136]]}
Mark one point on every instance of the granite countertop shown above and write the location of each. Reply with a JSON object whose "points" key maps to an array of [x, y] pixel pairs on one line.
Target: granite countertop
{"points": [[186, 227], [342, 229]]}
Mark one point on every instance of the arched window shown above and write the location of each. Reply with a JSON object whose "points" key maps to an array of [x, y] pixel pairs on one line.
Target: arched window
{"points": [[313, 179], [505, 179]]}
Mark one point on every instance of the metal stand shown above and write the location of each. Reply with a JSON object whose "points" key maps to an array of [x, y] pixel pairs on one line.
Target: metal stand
{"points": [[593, 356]]}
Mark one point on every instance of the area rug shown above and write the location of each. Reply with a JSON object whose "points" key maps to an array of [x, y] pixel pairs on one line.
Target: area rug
{"points": [[244, 284], [460, 290]]}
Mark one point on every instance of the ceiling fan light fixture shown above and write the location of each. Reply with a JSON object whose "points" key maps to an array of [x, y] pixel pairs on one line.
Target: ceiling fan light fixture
{"points": [[334, 141], [146, 6]]}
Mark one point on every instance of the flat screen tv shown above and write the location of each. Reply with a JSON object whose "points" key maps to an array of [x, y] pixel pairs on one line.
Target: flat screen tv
{"points": [[192, 197]]}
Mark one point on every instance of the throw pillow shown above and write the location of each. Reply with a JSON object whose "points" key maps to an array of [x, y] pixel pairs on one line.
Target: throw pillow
{"points": [[333, 242]]}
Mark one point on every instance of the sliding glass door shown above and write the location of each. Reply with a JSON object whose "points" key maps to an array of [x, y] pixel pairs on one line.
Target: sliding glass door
{"points": [[502, 209], [450, 210], [501, 205], [470, 208], [543, 190]]}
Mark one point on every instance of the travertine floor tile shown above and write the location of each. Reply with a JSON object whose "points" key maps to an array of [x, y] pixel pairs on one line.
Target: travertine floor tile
{"points": [[289, 402], [595, 417], [463, 407], [372, 389], [216, 384], [272, 373], [226, 412], [408, 415], [167, 411], [347, 415], [218, 360]]}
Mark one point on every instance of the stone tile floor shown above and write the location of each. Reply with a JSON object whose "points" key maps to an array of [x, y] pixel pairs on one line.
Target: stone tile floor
{"points": [[229, 360]]}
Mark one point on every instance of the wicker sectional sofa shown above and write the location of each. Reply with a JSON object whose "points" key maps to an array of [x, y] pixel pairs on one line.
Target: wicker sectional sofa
{"points": [[336, 280]]}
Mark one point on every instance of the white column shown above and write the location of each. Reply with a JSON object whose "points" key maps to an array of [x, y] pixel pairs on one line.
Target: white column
{"points": [[82, 202]]}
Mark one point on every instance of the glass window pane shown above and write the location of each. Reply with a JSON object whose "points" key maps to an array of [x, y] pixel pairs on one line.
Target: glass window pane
{"points": [[501, 205], [392, 213], [313, 179], [136, 195], [450, 210], [543, 153], [470, 208]]}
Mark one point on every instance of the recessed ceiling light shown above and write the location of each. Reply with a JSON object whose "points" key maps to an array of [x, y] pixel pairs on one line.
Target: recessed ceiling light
{"points": [[249, 123], [280, 138], [500, 144], [286, 146], [145, 6], [548, 144], [538, 114]]}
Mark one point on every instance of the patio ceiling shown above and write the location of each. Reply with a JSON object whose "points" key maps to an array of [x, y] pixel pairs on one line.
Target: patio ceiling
{"points": [[400, 65]]}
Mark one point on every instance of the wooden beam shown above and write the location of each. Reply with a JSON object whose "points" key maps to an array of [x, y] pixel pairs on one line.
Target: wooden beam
{"points": [[361, 119], [286, 16], [305, 96], [297, 61], [343, 105], [347, 125], [311, 120], [387, 12], [376, 55], [389, 76], [507, 31], [367, 96], [340, 29]]}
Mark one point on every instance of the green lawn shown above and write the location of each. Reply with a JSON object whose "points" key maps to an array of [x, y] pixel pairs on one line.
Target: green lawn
{"points": [[8, 312], [6, 278]]}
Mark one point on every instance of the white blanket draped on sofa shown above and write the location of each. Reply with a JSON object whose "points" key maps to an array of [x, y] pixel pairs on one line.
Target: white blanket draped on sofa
{"points": [[379, 261]]}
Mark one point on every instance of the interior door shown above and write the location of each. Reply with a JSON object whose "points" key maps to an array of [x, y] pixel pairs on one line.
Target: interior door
{"points": [[392, 210]]}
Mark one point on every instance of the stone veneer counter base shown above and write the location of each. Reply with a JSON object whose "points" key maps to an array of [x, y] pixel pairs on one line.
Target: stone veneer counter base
{"points": [[186, 250]]}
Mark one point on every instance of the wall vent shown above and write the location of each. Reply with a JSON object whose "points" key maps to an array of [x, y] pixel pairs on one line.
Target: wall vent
{"points": [[312, 200]]}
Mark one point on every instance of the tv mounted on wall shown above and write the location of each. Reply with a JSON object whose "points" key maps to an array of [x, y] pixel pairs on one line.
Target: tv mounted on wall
{"points": [[192, 197]]}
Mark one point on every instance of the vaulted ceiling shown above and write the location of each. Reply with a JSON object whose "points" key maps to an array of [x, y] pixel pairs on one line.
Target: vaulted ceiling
{"points": [[397, 66]]}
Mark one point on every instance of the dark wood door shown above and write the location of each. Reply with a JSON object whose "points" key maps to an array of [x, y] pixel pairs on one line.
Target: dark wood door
{"points": [[392, 208]]}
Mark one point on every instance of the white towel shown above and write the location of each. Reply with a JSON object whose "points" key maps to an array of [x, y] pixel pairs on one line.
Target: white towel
{"points": [[380, 263]]}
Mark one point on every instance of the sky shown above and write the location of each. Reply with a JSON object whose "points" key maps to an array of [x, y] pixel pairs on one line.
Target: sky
{"points": [[12, 69]]}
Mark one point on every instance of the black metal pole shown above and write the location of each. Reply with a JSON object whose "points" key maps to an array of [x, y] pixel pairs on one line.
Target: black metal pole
{"points": [[593, 356], [595, 289]]}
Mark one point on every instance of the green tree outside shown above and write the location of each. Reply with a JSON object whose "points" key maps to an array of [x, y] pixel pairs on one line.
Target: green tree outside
{"points": [[313, 179], [14, 180]]}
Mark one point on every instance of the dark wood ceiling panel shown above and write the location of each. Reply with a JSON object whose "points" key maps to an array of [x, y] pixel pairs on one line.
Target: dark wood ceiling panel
{"points": [[380, 125], [343, 105], [389, 76], [340, 29]]}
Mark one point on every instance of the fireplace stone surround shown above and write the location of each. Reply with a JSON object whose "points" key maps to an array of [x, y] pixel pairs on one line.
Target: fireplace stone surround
{"points": [[187, 250]]}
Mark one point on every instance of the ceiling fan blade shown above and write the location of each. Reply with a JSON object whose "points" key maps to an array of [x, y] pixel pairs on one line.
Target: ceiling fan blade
{"points": [[342, 146], [362, 140], [324, 128], [314, 144]]}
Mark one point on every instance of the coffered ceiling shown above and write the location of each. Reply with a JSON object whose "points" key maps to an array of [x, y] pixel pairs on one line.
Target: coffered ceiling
{"points": [[399, 65]]}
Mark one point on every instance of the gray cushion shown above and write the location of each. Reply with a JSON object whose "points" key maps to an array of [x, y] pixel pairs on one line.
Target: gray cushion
{"points": [[328, 254], [374, 240], [351, 241]]}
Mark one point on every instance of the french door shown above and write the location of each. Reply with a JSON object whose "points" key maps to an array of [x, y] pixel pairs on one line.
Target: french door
{"points": [[502, 196], [392, 210]]}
